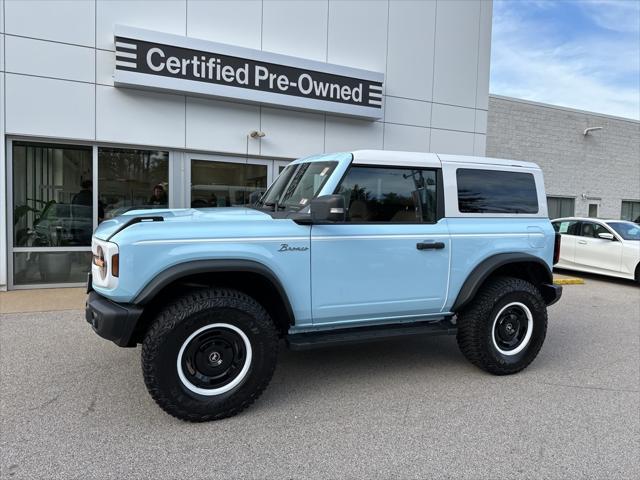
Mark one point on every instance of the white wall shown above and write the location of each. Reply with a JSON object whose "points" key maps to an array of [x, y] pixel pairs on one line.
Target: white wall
{"points": [[435, 55]]}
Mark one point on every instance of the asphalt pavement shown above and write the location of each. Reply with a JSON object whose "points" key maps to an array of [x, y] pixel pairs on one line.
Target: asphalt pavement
{"points": [[75, 406]]}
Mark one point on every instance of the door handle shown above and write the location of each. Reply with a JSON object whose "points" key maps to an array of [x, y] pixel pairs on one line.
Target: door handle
{"points": [[582, 242], [430, 245]]}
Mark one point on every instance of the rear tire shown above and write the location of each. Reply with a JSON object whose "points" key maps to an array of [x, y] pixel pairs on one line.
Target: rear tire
{"points": [[504, 327], [209, 355]]}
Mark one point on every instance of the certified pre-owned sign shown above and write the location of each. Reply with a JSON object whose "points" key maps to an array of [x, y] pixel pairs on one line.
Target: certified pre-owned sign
{"points": [[180, 64]]}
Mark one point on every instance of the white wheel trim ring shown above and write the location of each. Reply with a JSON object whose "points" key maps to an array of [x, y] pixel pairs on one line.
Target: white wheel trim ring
{"points": [[527, 337], [210, 392]]}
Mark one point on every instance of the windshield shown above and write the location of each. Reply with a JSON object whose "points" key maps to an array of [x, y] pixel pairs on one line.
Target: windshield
{"points": [[627, 230], [297, 185]]}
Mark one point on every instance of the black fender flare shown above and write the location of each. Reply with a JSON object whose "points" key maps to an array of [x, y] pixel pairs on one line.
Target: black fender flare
{"points": [[484, 269], [193, 267]]}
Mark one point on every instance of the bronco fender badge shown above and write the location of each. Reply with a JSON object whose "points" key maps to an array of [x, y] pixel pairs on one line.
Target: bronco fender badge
{"points": [[284, 247]]}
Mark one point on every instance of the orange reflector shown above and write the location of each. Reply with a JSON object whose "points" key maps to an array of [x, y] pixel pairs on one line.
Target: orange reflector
{"points": [[115, 265]]}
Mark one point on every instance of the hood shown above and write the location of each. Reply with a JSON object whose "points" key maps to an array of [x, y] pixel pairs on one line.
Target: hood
{"points": [[110, 227]]}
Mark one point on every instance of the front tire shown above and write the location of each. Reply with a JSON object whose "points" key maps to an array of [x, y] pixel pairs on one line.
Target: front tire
{"points": [[504, 327], [209, 355]]}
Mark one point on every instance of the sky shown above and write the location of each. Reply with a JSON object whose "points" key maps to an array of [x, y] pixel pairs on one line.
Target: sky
{"points": [[582, 54]]}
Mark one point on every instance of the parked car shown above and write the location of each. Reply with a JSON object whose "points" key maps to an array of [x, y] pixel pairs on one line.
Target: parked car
{"points": [[606, 247], [342, 248]]}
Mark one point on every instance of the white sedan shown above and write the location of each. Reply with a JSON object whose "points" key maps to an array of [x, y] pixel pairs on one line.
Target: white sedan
{"points": [[606, 247]]}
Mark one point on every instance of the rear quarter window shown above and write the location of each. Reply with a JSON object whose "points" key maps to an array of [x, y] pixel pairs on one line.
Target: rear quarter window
{"points": [[496, 191]]}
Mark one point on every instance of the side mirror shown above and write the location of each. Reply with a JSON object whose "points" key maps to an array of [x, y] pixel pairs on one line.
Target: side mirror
{"points": [[606, 236], [328, 208]]}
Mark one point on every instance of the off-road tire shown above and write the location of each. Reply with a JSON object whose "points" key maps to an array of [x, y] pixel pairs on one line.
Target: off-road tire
{"points": [[476, 325], [173, 327]]}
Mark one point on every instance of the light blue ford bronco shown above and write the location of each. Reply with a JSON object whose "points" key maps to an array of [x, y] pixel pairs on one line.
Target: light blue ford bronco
{"points": [[342, 248]]}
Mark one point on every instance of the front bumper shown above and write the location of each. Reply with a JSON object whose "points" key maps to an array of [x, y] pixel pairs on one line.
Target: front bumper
{"points": [[551, 293], [112, 321]]}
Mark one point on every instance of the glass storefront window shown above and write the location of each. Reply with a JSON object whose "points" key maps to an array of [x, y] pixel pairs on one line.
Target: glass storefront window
{"points": [[560, 207], [131, 179], [52, 195], [630, 211], [37, 267], [222, 184]]}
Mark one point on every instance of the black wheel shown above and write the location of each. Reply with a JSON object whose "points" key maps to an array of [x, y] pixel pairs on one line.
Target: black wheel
{"points": [[209, 355], [504, 327]]}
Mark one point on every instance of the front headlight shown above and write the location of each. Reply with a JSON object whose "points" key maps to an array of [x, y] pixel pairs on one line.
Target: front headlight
{"points": [[105, 265]]}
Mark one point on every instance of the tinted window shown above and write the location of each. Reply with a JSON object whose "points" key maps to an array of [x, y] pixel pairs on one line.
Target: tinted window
{"points": [[559, 207], [630, 211], [568, 227], [131, 179], [592, 230], [494, 191], [397, 195], [52, 195], [225, 184]]}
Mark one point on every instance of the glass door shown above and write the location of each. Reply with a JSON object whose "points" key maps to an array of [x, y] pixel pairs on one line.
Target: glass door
{"points": [[226, 181], [51, 219]]}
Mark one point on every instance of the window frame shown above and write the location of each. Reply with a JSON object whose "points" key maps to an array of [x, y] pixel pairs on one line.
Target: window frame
{"points": [[439, 193]]}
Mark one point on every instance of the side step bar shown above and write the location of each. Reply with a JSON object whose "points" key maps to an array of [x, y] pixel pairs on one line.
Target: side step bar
{"points": [[349, 336]]}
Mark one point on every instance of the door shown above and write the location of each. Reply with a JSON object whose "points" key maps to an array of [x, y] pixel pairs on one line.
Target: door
{"points": [[389, 261], [595, 252]]}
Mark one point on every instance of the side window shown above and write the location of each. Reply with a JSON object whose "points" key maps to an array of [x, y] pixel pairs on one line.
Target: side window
{"points": [[395, 195], [568, 227], [496, 191], [592, 230]]}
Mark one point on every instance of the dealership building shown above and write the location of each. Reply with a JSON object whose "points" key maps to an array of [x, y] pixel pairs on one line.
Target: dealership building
{"points": [[109, 105], [591, 161]]}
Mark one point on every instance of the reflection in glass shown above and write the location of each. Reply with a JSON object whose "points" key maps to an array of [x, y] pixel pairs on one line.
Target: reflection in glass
{"points": [[496, 191], [296, 186], [52, 195], [131, 179], [396, 195], [31, 268], [222, 184]]}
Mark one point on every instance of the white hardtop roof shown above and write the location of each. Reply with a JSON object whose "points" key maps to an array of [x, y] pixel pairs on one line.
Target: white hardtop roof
{"points": [[444, 158], [388, 157]]}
